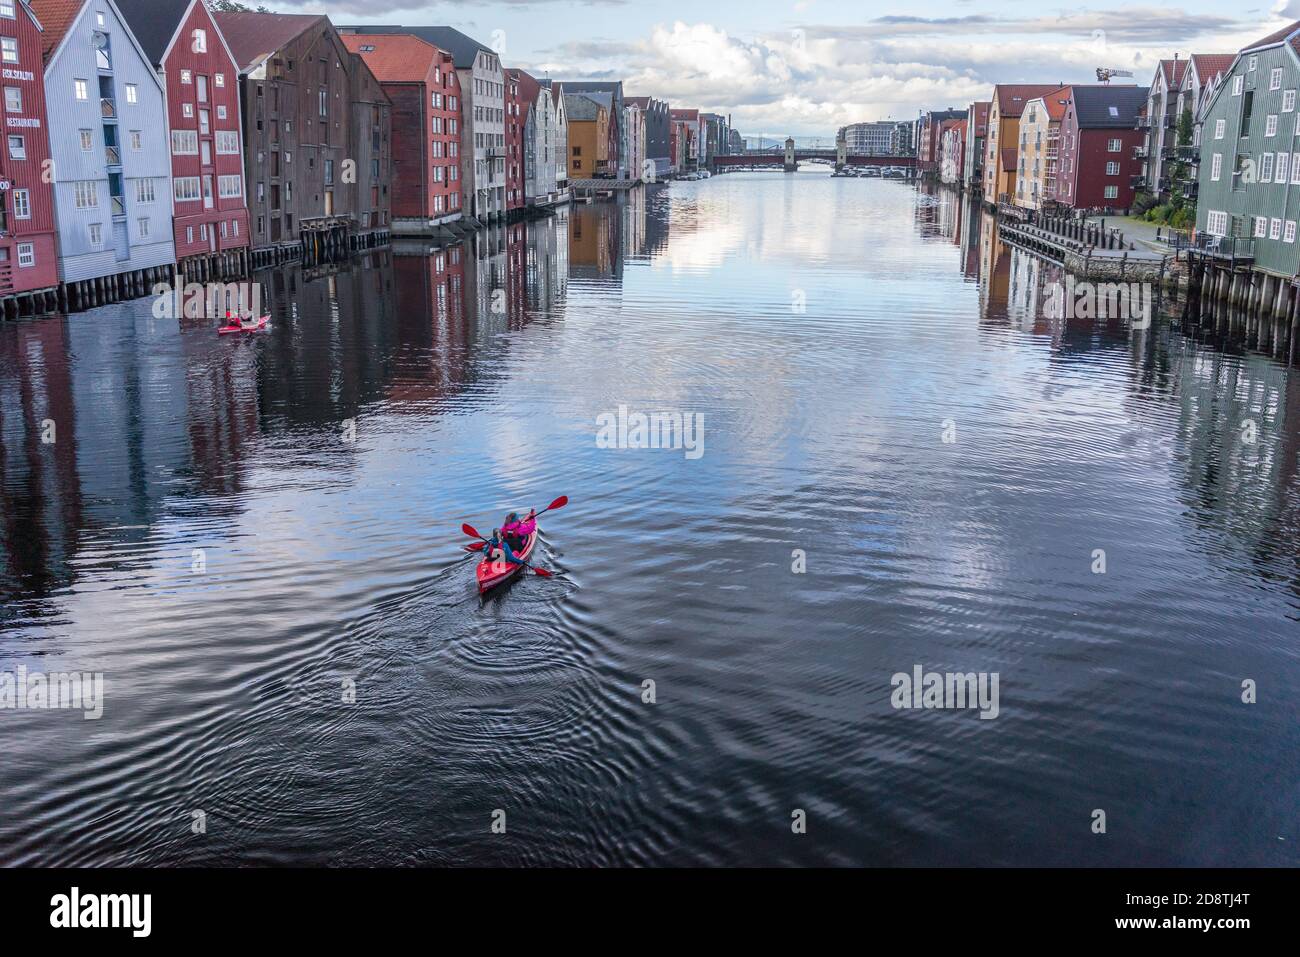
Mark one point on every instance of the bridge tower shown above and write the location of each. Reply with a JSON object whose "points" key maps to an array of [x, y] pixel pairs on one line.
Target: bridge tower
{"points": [[790, 163], [841, 151]]}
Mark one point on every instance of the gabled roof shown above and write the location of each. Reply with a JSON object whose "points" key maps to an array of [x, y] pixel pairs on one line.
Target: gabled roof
{"points": [[393, 58], [1173, 71], [1012, 97], [529, 90], [463, 48], [579, 107], [154, 23], [56, 17], [1108, 107], [253, 37], [1275, 37], [1209, 65]]}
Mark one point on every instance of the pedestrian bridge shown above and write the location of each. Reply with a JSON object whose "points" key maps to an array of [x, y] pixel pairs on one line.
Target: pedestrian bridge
{"points": [[777, 157]]}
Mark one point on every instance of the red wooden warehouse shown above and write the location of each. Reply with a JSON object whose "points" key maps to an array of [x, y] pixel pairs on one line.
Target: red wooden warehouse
{"points": [[183, 42], [29, 259], [420, 80]]}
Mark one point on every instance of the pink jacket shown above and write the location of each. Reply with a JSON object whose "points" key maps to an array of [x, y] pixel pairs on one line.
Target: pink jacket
{"points": [[522, 528]]}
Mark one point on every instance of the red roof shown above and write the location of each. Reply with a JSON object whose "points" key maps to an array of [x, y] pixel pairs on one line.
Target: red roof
{"points": [[528, 90], [1273, 38], [393, 57], [684, 114], [56, 17], [1012, 97], [1173, 70], [254, 36], [1210, 65]]}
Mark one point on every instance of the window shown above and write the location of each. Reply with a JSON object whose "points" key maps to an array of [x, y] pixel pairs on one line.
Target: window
{"points": [[1289, 235], [200, 44], [1112, 192], [1270, 124], [227, 142], [1266, 167], [13, 99], [87, 140], [26, 254], [187, 76], [324, 102], [1280, 175], [1114, 146], [96, 231], [9, 50], [1288, 101], [1275, 228], [132, 93], [1261, 226], [220, 79], [99, 18], [185, 143], [185, 189], [1218, 129], [81, 89], [203, 122], [221, 112], [17, 148], [7, 9], [229, 187], [1216, 222], [137, 141], [1295, 167], [1112, 169], [202, 88], [142, 227], [22, 204], [187, 109], [144, 191], [1236, 88], [1275, 79]]}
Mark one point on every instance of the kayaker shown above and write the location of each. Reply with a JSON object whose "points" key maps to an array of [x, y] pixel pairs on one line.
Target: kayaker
{"points": [[527, 525], [498, 548], [512, 531]]}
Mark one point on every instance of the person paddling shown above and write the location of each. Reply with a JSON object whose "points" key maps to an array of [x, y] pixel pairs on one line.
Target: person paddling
{"points": [[517, 530], [498, 549]]}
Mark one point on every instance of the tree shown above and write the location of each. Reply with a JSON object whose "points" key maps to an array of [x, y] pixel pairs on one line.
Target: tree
{"points": [[233, 6]]}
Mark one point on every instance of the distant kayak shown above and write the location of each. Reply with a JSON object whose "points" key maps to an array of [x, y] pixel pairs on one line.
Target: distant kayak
{"points": [[491, 574], [261, 324]]}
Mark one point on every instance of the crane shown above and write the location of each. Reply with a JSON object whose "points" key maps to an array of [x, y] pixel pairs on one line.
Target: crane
{"points": [[1104, 73]]}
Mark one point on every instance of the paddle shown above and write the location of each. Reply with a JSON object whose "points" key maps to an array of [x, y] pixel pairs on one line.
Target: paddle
{"points": [[478, 546]]}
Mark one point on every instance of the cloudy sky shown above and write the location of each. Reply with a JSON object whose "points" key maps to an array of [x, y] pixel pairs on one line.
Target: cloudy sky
{"points": [[809, 66]]}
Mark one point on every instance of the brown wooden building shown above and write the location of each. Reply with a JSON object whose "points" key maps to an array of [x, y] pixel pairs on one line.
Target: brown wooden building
{"points": [[317, 134]]}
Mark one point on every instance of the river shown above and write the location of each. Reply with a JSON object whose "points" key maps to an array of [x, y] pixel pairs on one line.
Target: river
{"points": [[899, 463]]}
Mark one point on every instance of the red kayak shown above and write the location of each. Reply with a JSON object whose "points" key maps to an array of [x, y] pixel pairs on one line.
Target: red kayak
{"points": [[261, 324], [492, 574]]}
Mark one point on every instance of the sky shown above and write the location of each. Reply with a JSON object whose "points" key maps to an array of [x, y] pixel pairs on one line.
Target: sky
{"points": [[807, 67]]}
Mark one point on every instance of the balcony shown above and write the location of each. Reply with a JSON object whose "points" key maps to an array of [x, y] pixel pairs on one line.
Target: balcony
{"points": [[1225, 247], [1190, 189], [1138, 182], [1189, 154], [1141, 152], [107, 107]]}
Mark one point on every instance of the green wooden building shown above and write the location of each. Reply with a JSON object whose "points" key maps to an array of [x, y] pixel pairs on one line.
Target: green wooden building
{"points": [[1249, 178]]}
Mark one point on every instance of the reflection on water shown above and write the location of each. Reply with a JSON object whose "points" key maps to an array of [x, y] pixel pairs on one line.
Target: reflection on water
{"points": [[231, 528]]}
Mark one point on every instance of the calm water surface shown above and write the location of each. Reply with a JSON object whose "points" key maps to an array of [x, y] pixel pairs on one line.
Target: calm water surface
{"points": [[828, 331]]}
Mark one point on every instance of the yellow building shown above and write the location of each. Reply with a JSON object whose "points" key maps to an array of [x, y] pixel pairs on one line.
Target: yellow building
{"points": [[1039, 148], [1003, 151], [588, 136]]}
